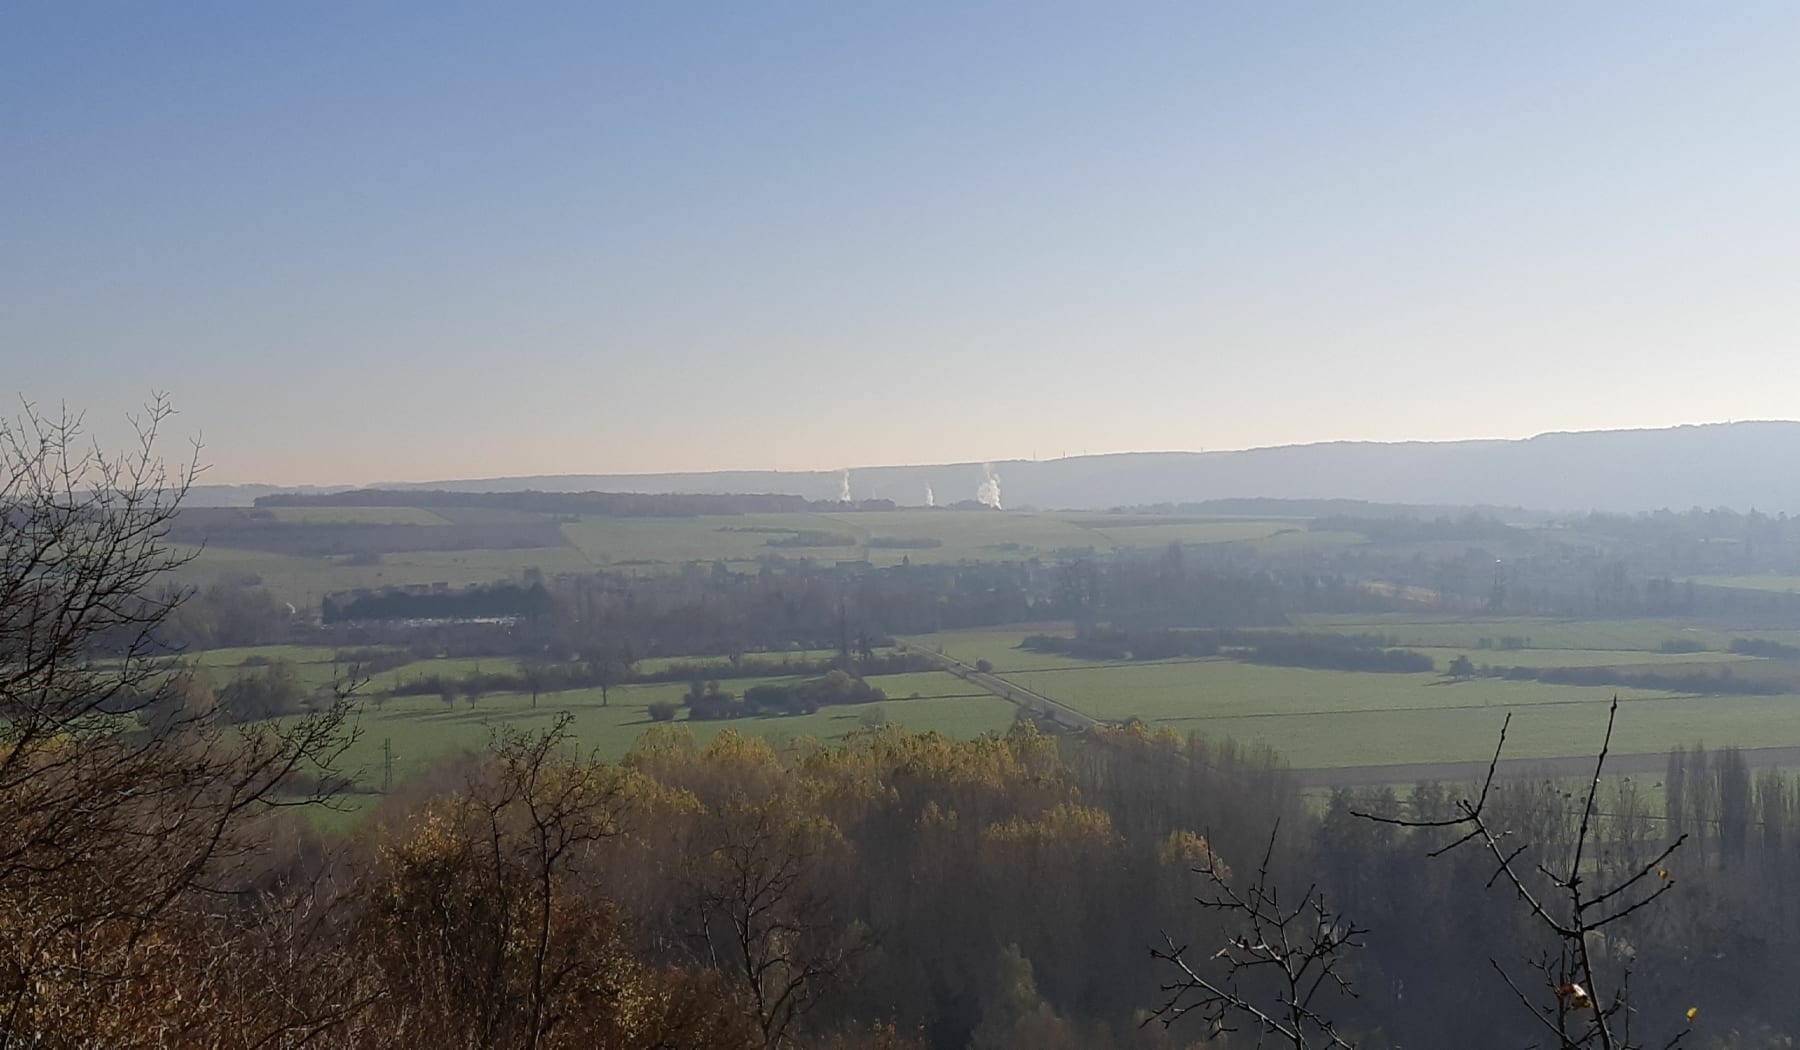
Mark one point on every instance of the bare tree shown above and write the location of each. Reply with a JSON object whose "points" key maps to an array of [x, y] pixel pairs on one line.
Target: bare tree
{"points": [[1276, 961], [563, 806], [119, 801], [1582, 1004], [486, 930], [763, 913]]}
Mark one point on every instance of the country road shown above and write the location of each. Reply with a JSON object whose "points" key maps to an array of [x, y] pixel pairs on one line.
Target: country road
{"points": [[1029, 699]]}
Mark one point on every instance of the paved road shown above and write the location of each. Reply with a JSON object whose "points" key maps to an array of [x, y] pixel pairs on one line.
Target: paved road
{"points": [[1031, 700]]}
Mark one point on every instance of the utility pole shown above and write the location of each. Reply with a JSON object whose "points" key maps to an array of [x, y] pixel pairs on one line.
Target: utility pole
{"points": [[387, 764]]}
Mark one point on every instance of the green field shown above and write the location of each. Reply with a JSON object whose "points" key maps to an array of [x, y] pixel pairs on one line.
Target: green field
{"points": [[422, 730], [314, 663], [1000, 646], [1319, 718], [963, 536], [1324, 719], [674, 541], [319, 668]]}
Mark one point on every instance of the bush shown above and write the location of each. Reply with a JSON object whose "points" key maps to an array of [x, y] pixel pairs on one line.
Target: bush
{"points": [[274, 690], [907, 543], [663, 711], [814, 538], [780, 699], [1764, 647], [708, 703], [715, 708]]}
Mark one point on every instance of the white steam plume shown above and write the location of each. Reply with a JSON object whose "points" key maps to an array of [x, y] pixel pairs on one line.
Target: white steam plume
{"points": [[988, 495], [930, 496], [844, 487]]}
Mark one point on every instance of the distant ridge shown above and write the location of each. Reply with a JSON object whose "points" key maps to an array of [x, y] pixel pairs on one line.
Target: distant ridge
{"points": [[1750, 465]]}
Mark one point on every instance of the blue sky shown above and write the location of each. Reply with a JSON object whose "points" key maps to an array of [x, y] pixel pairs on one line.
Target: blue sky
{"points": [[359, 242]]}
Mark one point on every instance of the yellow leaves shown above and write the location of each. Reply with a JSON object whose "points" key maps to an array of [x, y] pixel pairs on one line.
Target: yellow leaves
{"points": [[44, 749], [732, 748], [656, 800], [604, 792], [1692, 1012], [661, 742], [1064, 825], [1136, 734], [935, 818], [1192, 852], [434, 834]]}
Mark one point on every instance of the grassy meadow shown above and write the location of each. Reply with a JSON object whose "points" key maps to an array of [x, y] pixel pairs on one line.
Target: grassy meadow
{"points": [[1319, 718], [423, 730], [1324, 719]]}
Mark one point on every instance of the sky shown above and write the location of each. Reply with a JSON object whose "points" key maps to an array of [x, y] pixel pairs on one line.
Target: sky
{"points": [[358, 242]]}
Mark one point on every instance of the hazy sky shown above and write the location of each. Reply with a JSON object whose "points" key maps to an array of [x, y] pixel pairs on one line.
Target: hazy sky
{"points": [[364, 241]]}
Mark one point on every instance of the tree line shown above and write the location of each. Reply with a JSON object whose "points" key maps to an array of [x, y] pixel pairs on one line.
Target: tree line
{"points": [[608, 504], [887, 890], [1339, 652]]}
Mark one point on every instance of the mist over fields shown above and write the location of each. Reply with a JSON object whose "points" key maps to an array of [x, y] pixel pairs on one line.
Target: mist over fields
{"points": [[920, 526], [1751, 465]]}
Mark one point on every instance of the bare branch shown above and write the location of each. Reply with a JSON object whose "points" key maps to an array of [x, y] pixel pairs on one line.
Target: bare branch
{"points": [[1576, 981]]}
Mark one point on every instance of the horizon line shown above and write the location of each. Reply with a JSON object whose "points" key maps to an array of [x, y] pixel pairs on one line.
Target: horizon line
{"points": [[427, 484]]}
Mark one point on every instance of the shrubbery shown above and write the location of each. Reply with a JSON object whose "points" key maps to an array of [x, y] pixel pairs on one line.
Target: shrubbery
{"points": [[707, 702], [273, 690], [1697, 681], [1765, 647]]}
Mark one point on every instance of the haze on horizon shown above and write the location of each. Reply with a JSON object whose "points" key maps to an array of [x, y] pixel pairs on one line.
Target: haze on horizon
{"points": [[412, 242]]}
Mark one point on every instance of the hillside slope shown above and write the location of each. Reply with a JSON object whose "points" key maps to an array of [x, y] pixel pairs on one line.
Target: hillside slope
{"points": [[1738, 465]]}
